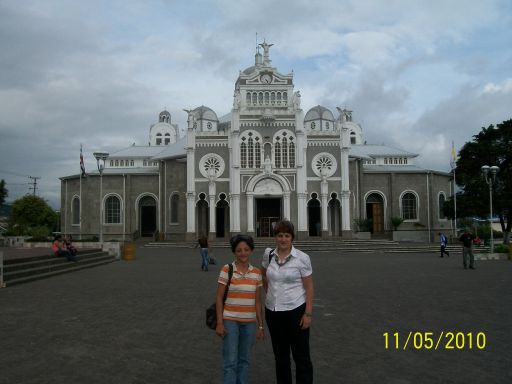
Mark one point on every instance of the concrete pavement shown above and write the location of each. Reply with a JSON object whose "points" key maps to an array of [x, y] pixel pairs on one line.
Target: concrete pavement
{"points": [[143, 322]]}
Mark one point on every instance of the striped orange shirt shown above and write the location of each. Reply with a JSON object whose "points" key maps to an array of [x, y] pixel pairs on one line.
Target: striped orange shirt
{"points": [[240, 303]]}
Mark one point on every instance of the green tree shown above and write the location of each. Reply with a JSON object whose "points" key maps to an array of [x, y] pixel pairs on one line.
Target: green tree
{"points": [[3, 192], [492, 146], [29, 212]]}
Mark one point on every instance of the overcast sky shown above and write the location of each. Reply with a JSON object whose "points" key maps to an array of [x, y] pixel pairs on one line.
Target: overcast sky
{"points": [[416, 74]]}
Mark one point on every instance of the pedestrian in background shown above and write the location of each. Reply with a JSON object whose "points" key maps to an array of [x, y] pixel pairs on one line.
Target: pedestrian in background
{"points": [[467, 249], [203, 251], [444, 242]]}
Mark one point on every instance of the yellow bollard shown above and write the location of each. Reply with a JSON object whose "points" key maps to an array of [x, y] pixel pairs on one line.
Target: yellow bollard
{"points": [[129, 251]]}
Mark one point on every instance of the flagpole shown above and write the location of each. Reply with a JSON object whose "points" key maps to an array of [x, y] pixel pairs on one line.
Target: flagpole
{"points": [[454, 204]]}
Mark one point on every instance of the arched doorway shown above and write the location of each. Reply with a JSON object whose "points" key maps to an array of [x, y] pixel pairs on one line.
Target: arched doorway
{"points": [[268, 200], [334, 212], [222, 216], [314, 216], [147, 214], [203, 216], [375, 212]]}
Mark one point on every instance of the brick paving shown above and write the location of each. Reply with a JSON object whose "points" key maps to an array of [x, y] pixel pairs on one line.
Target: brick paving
{"points": [[143, 321]]}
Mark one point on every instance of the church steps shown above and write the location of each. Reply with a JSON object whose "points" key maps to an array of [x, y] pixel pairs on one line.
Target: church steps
{"points": [[40, 267]]}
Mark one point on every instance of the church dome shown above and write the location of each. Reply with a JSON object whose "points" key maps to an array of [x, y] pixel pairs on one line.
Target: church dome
{"points": [[205, 113], [319, 113]]}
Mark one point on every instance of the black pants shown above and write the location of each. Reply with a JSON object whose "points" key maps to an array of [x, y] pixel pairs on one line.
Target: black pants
{"points": [[287, 336]]}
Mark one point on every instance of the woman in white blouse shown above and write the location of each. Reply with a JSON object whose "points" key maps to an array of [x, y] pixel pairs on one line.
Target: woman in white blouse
{"points": [[288, 282]]}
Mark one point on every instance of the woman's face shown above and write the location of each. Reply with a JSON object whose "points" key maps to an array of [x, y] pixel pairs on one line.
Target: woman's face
{"points": [[284, 240], [243, 252]]}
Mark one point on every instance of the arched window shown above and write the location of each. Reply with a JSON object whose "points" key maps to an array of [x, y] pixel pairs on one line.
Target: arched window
{"points": [[273, 97], [352, 138], [257, 153], [167, 138], [442, 200], [254, 98], [285, 152], [278, 97], [250, 149], [243, 154], [260, 98], [277, 154], [291, 153], [250, 152], [158, 138], [248, 98], [267, 97], [409, 206], [175, 200], [112, 210], [75, 210]]}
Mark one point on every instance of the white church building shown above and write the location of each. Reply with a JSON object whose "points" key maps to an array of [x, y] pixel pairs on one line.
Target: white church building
{"points": [[264, 161]]}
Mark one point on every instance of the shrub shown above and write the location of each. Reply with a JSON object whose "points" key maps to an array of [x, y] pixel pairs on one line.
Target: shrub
{"points": [[39, 233], [396, 221], [363, 225]]}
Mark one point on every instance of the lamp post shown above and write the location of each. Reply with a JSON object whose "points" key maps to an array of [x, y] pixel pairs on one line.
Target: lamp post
{"points": [[490, 177], [101, 157]]}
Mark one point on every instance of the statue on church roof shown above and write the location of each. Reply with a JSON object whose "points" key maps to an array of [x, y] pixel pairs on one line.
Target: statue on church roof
{"points": [[266, 48]]}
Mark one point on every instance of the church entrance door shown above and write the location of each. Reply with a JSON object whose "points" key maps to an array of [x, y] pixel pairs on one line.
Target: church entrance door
{"points": [[314, 216], [268, 212], [222, 216], [147, 214], [375, 212]]}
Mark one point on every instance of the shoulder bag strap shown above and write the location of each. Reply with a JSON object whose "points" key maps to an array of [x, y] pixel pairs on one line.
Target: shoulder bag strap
{"points": [[230, 275], [270, 256]]}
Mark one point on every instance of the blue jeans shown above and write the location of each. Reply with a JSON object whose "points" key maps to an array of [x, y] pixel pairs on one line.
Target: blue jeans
{"points": [[236, 351], [206, 259]]}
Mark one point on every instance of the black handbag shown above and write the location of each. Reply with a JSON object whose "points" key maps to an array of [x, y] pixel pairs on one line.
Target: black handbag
{"points": [[211, 311]]}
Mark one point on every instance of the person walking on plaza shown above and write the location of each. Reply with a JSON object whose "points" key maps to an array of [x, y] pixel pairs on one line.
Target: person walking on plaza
{"points": [[444, 242], [467, 249], [288, 282], [202, 242], [241, 313]]}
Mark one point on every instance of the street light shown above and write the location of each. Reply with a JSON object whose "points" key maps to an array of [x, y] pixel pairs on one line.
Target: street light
{"points": [[490, 177], [101, 157]]}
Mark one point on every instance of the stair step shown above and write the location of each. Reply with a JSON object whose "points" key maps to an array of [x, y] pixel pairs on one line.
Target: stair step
{"points": [[76, 267]]}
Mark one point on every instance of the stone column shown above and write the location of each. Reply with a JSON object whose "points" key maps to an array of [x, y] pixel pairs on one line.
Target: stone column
{"points": [[250, 213], [324, 192], [211, 198], [286, 205]]}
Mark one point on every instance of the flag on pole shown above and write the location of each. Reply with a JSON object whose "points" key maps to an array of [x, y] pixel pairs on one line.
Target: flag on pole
{"points": [[82, 166], [453, 157]]}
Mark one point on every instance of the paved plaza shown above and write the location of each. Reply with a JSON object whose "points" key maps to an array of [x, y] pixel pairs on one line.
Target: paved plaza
{"points": [[143, 322]]}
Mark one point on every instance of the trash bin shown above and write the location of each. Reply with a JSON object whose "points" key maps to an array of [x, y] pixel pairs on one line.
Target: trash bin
{"points": [[129, 251]]}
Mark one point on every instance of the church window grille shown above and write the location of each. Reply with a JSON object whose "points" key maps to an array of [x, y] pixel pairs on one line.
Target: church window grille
{"points": [[292, 153], [285, 152], [250, 152], [75, 209], [243, 154], [409, 206], [112, 210], [277, 154], [175, 201], [257, 153]]}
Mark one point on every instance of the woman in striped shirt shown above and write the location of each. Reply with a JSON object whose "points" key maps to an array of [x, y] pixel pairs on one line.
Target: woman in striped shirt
{"points": [[242, 311]]}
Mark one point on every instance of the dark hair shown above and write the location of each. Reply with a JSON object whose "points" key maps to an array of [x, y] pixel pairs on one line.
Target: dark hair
{"points": [[284, 226], [237, 239], [57, 237]]}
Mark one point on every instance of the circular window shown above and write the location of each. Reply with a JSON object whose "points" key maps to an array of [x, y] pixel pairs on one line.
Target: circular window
{"points": [[211, 162], [209, 125], [324, 163]]}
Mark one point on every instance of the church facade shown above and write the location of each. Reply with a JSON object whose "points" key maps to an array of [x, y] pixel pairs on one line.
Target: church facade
{"points": [[264, 161]]}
